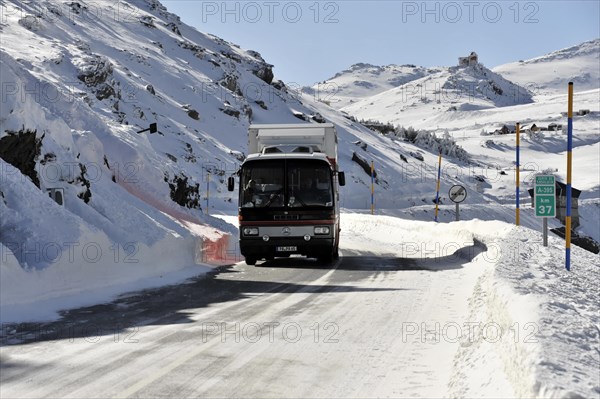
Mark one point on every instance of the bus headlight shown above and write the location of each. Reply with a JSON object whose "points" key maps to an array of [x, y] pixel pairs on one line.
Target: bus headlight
{"points": [[250, 231], [321, 230]]}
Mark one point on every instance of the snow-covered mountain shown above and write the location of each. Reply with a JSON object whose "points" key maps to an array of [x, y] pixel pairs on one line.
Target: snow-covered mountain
{"points": [[409, 84], [446, 90], [364, 80], [550, 73]]}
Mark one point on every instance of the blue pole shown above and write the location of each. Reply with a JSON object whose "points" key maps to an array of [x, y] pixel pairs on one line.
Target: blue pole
{"points": [[569, 175], [518, 200], [437, 191], [372, 187]]}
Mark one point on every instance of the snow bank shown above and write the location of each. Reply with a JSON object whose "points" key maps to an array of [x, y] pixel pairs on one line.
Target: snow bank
{"points": [[66, 261], [536, 327], [568, 331]]}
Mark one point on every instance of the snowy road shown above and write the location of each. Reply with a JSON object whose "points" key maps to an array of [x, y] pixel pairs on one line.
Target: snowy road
{"points": [[290, 328]]}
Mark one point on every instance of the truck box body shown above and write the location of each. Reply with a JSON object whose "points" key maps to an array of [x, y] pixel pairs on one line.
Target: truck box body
{"points": [[289, 192], [321, 137]]}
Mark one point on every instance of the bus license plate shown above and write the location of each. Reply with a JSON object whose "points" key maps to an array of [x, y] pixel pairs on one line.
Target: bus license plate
{"points": [[287, 249]]}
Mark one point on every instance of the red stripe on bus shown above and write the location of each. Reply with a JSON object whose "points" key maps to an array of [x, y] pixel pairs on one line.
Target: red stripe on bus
{"points": [[286, 222]]}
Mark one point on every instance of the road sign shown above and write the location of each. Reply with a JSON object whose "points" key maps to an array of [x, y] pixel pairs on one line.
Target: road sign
{"points": [[545, 196], [457, 194]]}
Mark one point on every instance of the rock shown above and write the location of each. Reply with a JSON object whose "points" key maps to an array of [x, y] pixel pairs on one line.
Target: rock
{"points": [[150, 89], [174, 28], [105, 91], [231, 83], [416, 155], [364, 164], [147, 21], [20, 149], [318, 118], [183, 193], [278, 84], [192, 113], [86, 194], [247, 109], [231, 112], [265, 73]]}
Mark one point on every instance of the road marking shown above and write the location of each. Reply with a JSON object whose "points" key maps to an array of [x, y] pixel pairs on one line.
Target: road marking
{"points": [[182, 360]]}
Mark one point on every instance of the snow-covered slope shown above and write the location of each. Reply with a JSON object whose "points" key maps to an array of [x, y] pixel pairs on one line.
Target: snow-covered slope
{"points": [[550, 73], [364, 80], [447, 90]]}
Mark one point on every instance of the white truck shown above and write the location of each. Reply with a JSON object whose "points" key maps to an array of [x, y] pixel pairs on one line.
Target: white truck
{"points": [[289, 192]]}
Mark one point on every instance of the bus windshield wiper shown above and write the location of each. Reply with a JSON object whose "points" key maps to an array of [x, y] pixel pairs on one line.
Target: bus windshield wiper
{"points": [[272, 198]]}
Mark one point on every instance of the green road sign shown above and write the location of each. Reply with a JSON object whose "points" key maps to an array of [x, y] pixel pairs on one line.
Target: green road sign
{"points": [[545, 196], [543, 180]]}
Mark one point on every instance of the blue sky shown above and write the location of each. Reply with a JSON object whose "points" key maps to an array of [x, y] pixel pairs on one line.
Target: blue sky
{"points": [[310, 41]]}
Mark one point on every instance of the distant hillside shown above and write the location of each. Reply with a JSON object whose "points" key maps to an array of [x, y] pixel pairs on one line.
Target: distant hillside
{"points": [[446, 90], [364, 80], [550, 73]]}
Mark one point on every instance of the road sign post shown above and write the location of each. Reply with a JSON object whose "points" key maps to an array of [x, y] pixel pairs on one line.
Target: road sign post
{"points": [[437, 190], [457, 194], [545, 201]]}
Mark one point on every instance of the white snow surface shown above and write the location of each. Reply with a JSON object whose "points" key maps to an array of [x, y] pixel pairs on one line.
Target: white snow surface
{"points": [[132, 235], [529, 329], [550, 73]]}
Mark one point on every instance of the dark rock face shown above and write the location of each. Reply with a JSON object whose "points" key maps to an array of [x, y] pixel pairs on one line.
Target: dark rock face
{"points": [[95, 72], [192, 113], [174, 28], [364, 164], [86, 194], [230, 82], [265, 73], [231, 112], [183, 193], [21, 149], [105, 91]]}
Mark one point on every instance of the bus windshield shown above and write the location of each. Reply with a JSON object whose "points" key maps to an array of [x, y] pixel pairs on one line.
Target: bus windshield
{"points": [[309, 184], [286, 183]]}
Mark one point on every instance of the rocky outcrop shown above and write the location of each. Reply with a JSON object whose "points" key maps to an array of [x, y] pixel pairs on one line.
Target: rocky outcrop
{"points": [[184, 193], [364, 164], [21, 149]]}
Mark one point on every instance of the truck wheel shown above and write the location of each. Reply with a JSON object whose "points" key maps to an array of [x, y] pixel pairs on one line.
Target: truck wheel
{"points": [[250, 261], [336, 254], [326, 257]]}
